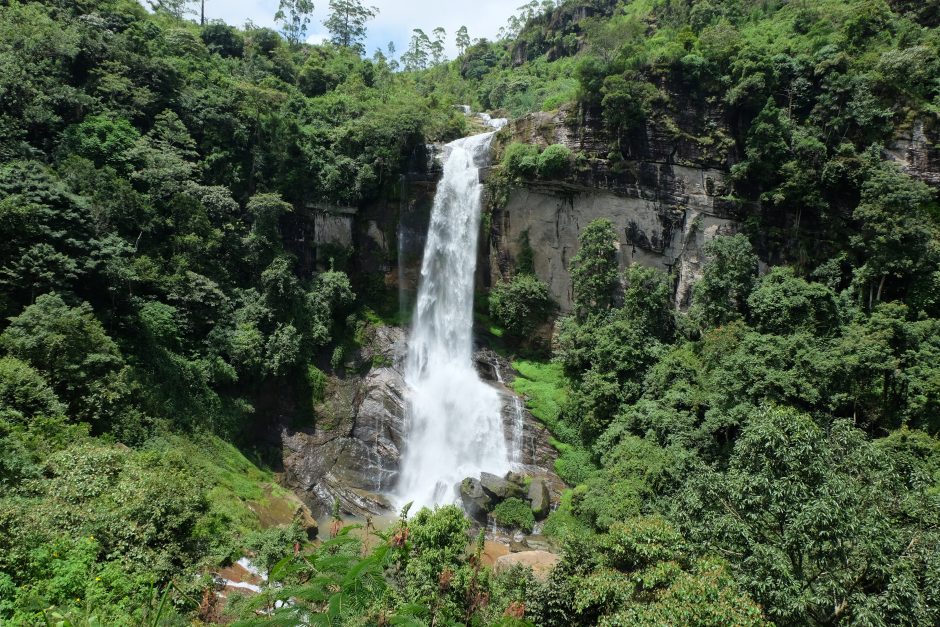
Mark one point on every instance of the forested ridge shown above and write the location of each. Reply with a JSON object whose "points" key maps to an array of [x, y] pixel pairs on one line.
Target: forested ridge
{"points": [[767, 454]]}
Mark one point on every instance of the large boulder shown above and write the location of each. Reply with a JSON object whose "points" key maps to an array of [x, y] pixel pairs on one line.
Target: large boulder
{"points": [[476, 502], [498, 488], [541, 562], [539, 498]]}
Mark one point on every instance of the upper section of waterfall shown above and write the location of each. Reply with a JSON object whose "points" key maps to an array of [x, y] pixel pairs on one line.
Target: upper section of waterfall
{"points": [[443, 321]]}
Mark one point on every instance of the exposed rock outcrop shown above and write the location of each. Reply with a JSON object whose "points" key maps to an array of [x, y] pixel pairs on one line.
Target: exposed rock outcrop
{"points": [[497, 488], [353, 454], [476, 502], [665, 203], [917, 151], [651, 231], [539, 498]]}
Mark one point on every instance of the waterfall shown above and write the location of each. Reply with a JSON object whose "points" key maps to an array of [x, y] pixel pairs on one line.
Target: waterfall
{"points": [[454, 425], [517, 431], [517, 454]]}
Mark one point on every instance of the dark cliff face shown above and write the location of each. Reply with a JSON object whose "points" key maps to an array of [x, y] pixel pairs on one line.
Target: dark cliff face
{"points": [[558, 33], [380, 243]]}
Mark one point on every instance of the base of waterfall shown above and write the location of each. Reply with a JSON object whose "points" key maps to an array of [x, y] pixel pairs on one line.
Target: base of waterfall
{"points": [[442, 452], [354, 452]]}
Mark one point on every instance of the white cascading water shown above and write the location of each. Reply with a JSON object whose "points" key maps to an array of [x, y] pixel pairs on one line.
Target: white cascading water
{"points": [[454, 423]]}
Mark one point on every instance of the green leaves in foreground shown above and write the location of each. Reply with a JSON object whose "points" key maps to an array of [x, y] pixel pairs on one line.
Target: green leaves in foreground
{"points": [[641, 573], [332, 585]]}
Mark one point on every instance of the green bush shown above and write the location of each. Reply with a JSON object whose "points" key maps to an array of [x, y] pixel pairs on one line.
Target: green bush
{"points": [[521, 304], [70, 348], [634, 472], [782, 302], [223, 39], [575, 464], [104, 140], [554, 162], [642, 573], [317, 381], [24, 393], [437, 544], [514, 513], [521, 160], [273, 544], [563, 523], [336, 359]]}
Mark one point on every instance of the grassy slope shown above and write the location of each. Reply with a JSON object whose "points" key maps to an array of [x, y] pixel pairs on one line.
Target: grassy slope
{"points": [[242, 491]]}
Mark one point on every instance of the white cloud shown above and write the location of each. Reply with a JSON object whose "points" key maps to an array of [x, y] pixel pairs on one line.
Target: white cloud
{"points": [[395, 21]]}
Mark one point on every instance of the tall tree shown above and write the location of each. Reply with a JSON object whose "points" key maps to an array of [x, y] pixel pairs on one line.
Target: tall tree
{"points": [[419, 51], [70, 347], [721, 294], [295, 16], [828, 528], [173, 7], [463, 40], [594, 271], [347, 21], [438, 55], [896, 234], [393, 64]]}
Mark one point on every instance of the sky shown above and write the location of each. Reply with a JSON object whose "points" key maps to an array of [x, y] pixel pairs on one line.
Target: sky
{"points": [[395, 21]]}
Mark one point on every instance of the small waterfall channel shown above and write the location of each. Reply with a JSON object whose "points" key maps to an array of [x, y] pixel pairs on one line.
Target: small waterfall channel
{"points": [[454, 423]]}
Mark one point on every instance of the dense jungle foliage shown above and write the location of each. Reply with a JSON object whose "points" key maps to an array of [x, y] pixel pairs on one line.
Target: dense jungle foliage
{"points": [[769, 455]]}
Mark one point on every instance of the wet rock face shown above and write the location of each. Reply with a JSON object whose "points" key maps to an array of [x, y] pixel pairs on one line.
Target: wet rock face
{"points": [[353, 453], [481, 496], [917, 151], [497, 488]]}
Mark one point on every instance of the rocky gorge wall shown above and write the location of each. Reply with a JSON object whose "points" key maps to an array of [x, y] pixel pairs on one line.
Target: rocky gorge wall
{"points": [[665, 226], [353, 452], [665, 204], [666, 189]]}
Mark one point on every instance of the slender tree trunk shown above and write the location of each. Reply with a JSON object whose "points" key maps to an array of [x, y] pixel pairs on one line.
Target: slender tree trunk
{"points": [[202, 14], [881, 286]]}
